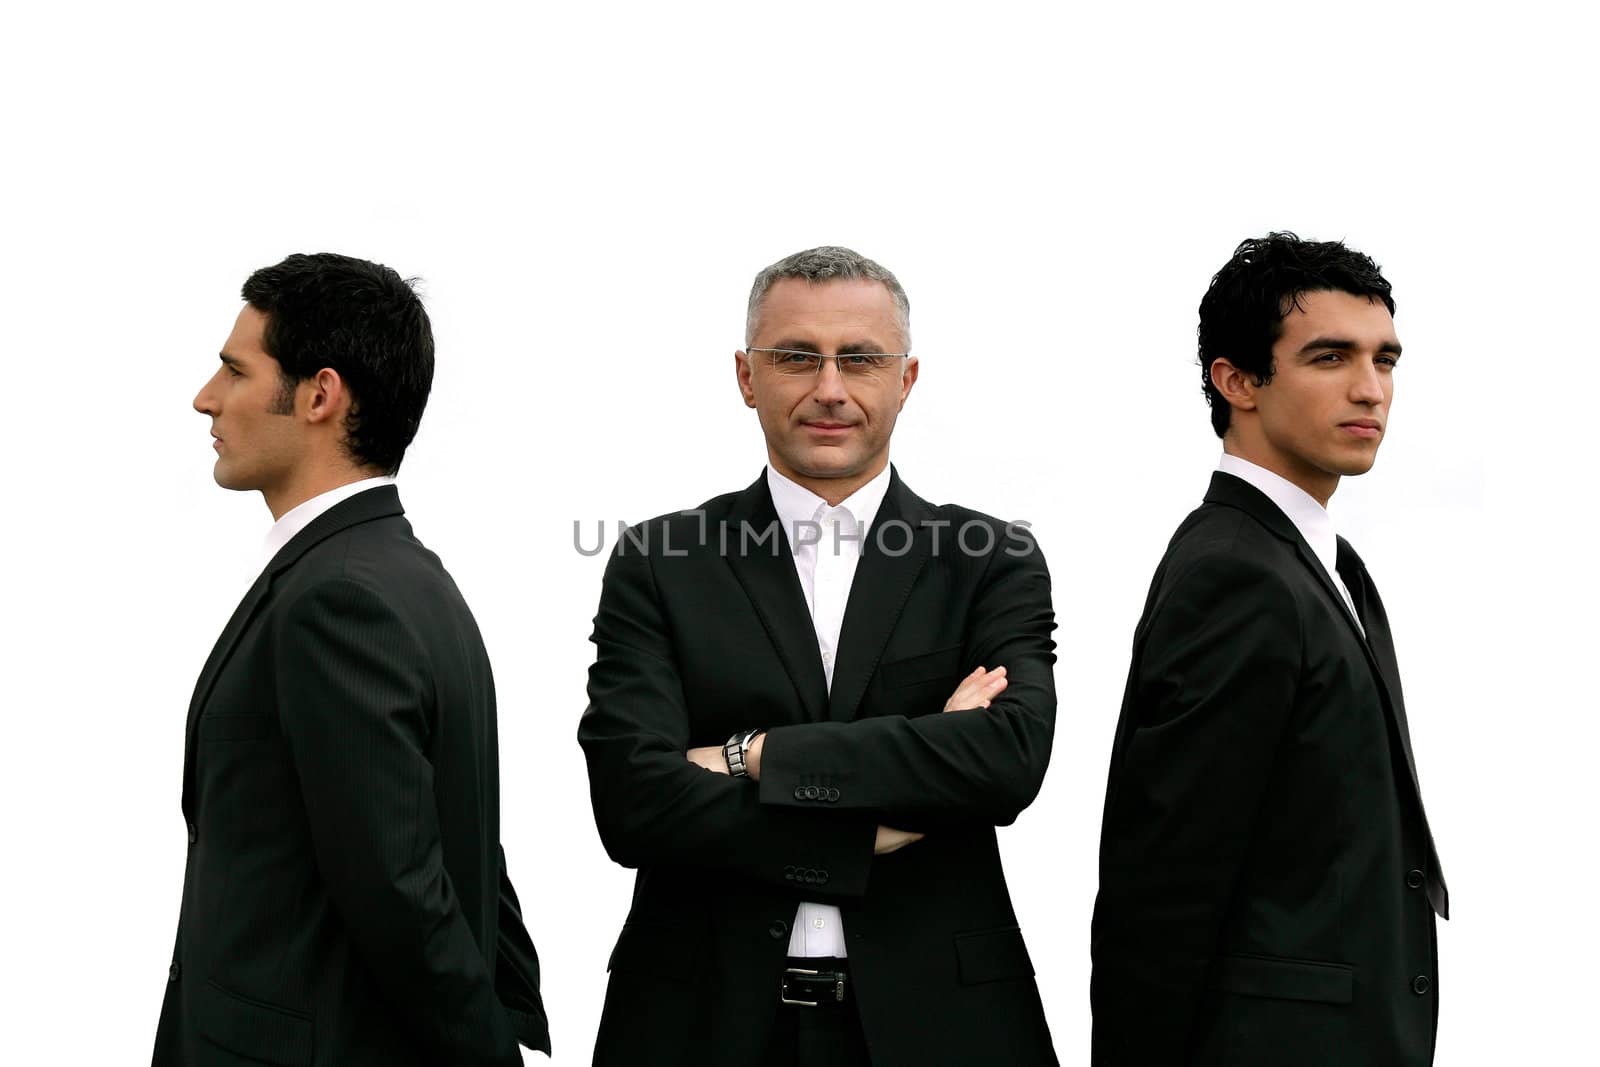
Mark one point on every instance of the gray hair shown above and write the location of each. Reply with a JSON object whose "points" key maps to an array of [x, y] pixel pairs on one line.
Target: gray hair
{"points": [[825, 264]]}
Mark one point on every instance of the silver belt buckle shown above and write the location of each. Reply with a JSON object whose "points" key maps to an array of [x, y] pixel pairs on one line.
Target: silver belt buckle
{"points": [[838, 987], [783, 988]]}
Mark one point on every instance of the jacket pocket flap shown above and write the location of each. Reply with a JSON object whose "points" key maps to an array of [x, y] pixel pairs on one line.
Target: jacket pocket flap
{"points": [[669, 950], [1268, 976], [992, 956], [261, 1031], [928, 667]]}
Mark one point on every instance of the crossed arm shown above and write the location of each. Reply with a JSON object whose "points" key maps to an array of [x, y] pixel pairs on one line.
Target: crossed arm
{"points": [[975, 691], [655, 803]]}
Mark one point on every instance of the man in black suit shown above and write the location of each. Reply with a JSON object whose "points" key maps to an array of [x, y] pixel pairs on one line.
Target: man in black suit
{"points": [[345, 900], [819, 881], [1268, 880]]}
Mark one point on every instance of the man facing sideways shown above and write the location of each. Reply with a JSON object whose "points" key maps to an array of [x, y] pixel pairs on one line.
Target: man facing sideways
{"points": [[819, 881], [345, 899], [1267, 877]]}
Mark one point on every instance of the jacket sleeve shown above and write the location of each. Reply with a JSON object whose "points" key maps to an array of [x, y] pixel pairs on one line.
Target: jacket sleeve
{"points": [[516, 980], [1210, 693], [356, 703], [984, 764], [651, 805]]}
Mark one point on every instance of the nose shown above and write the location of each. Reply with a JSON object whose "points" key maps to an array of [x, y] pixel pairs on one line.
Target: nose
{"points": [[830, 384], [1367, 388], [203, 402]]}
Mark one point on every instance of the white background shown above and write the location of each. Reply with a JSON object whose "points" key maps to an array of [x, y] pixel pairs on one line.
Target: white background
{"points": [[586, 193]]}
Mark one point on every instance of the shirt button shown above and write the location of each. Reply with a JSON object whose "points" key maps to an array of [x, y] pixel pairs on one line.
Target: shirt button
{"points": [[1420, 984], [1414, 879], [819, 923], [827, 657], [776, 930]]}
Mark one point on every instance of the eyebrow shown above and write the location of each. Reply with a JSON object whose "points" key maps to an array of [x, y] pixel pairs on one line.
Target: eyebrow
{"points": [[855, 348], [1343, 344], [237, 364]]}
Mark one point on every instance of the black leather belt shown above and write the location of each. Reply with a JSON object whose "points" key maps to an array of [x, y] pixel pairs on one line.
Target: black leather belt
{"points": [[812, 987]]}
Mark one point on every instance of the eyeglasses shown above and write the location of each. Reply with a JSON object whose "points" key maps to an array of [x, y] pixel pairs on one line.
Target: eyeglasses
{"points": [[794, 362]]}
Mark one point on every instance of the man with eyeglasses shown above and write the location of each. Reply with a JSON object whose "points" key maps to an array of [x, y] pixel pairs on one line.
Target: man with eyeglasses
{"points": [[813, 701]]}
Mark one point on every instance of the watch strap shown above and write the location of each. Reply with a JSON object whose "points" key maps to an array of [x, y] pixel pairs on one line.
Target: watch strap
{"points": [[736, 749]]}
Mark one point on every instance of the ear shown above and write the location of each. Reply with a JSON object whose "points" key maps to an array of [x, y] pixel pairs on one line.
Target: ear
{"points": [[1237, 387], [741, 370], [908, 378], [326, 395]]}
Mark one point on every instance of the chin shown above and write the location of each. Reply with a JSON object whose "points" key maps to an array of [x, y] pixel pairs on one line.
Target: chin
{"points": [[1354, 466], [230, 480], [825, 464]]}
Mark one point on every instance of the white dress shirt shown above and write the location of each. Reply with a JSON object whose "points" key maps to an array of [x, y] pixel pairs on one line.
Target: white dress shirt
{"points": [[826, 545], [303, 514], [1302, 509]]}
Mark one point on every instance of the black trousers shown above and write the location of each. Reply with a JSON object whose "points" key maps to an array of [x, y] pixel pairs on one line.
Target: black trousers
{"points": [[828, 1035]]}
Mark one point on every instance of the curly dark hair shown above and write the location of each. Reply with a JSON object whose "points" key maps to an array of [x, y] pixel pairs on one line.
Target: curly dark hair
{"points": [[362, 320], [1241, 315]]}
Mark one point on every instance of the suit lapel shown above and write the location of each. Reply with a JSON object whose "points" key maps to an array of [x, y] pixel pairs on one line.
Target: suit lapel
{"points": [[369, 504], [1309, 558], [1235, 492], [1381, 643], [1376, 643], [893, 553], [764, 567], [208, 677], [1240, 494]]}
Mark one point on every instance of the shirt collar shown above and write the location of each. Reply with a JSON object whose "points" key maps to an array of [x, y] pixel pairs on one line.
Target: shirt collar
{"points": [[796, 504], [305, 513], [1301, 508]]}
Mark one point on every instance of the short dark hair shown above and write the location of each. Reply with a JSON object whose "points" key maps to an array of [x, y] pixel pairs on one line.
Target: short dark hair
{"points": [[1241, 315], [364, 321]]}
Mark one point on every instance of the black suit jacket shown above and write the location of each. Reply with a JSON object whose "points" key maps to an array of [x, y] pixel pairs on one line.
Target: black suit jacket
{"points": [[1267, 878], [345, 900], [696, 641]]}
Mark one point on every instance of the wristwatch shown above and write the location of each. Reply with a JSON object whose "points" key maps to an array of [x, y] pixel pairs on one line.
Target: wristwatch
{"points": [[736, 748]]}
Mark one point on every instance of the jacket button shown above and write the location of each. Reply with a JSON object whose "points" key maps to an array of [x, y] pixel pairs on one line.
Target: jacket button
{"points": [[788, 873], [833, 795], [812, 792], [776, 930], [1414, 879], [809, 877], [1419, 984], [174, 971], [799, 792], [194, 833], [822, 877]]}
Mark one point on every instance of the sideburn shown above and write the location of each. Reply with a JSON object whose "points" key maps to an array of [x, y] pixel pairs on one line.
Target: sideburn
{"points": [[283, 402]]}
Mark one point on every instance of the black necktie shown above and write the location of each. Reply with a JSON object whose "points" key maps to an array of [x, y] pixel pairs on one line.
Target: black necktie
{"points": [[1354, 575]]}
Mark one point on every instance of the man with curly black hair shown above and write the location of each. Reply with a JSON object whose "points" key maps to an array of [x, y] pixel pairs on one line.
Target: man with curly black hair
{"points": [[1268, 881]]}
